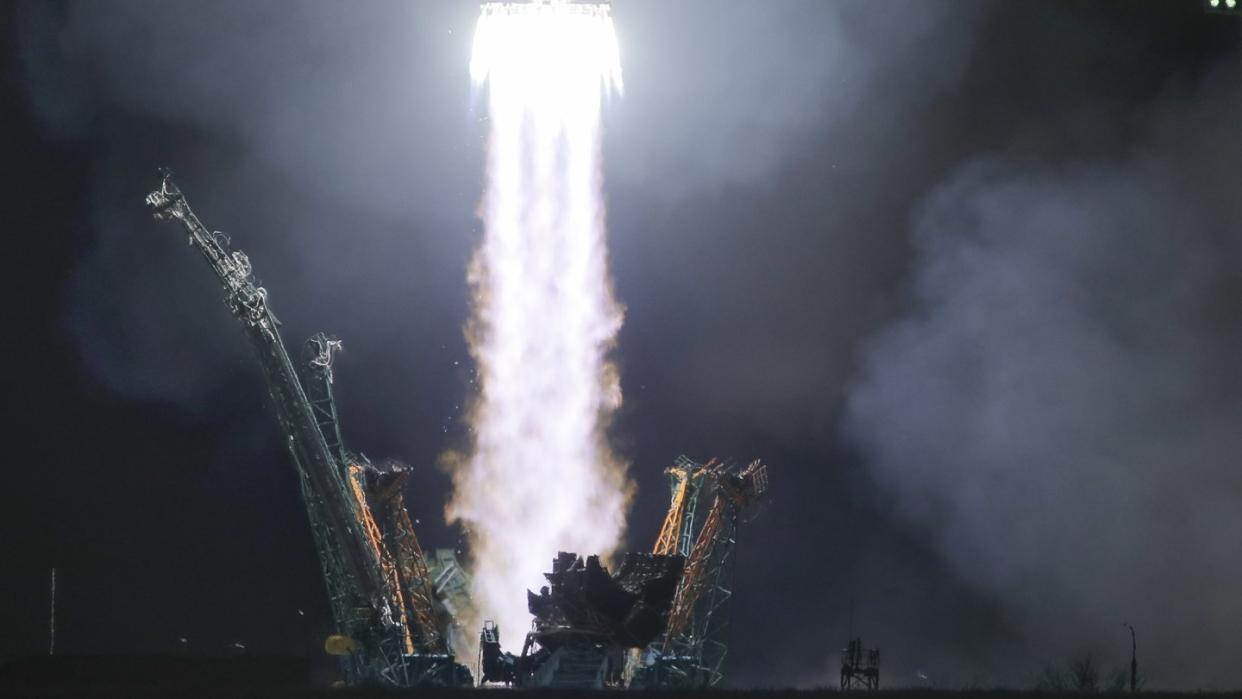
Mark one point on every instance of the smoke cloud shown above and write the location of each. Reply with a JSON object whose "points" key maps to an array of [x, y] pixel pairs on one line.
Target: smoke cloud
{"points": [[340, 121], [722, 94], [1059, 410], [314, 148]]}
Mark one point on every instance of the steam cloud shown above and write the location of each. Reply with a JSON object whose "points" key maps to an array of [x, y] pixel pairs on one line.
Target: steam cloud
{"points": [[541, 478], [1060, 409]]}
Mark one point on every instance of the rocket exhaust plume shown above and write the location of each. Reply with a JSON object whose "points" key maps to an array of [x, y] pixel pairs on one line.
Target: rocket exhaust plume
{"points": [[540, 478]]}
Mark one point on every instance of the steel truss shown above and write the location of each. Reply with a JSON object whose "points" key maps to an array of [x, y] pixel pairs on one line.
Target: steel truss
{"points": [[374, 571]]}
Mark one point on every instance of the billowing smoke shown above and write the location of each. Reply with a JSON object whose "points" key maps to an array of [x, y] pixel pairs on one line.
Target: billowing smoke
{"points": [[1060, 410], [541, 478]]}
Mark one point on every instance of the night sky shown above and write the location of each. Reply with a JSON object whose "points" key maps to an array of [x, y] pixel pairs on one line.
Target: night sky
{"points": [[966, 275]]}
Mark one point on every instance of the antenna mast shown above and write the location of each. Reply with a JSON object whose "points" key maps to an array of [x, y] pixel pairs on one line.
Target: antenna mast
{"points": [[51, 643]]}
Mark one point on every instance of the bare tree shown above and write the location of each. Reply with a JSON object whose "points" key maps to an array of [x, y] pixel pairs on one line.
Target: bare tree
{"points": [[1084, 674]]}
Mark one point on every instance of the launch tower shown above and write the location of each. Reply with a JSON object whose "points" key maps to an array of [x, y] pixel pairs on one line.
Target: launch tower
{"points": [[389, 628]]}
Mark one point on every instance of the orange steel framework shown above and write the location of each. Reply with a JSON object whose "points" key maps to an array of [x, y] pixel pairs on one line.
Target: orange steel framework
{"points": [[685, 480], [692, 650]]}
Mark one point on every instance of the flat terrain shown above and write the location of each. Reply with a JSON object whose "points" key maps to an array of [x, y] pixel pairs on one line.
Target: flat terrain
{"points": [[177, 677]]}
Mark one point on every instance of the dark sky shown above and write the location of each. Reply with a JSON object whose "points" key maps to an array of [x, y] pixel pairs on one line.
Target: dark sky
{"points": [[965, 274]]}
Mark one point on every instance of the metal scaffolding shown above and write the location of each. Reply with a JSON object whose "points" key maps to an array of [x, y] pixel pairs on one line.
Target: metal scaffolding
{"points": [[692, 650], [373, 568]]}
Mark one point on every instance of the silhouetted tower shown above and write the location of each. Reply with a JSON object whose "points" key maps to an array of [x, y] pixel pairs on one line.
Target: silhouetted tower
{"points": [[860, 667], [1133, 661]]}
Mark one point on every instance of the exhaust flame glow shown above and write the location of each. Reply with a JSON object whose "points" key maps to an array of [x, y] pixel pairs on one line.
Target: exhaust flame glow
{"points": [[541, 478]]}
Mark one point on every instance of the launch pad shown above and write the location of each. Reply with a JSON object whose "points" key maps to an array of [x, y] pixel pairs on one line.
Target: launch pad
{"points": [[657, 621]]}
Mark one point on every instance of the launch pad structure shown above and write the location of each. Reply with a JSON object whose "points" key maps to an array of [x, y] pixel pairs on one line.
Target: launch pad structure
{"points": [[389, 631], [660, 620]]}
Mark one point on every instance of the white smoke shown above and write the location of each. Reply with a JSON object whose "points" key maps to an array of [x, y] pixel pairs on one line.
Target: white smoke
{"points": [[541, 478]]}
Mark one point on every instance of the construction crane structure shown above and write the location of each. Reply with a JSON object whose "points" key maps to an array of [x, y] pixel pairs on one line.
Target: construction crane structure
{"points": [[390, 628]]}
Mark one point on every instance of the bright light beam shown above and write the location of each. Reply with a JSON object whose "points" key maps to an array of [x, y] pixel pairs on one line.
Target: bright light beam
{"points": [[541, 477]]}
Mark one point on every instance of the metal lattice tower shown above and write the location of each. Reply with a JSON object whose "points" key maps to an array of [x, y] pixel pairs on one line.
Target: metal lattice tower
{"points": [[376, 578], [860, 667], [695, 643], [685, 480]]}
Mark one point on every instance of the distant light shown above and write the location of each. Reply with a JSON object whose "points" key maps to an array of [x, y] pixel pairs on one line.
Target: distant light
{"points": [[1230, 8]]}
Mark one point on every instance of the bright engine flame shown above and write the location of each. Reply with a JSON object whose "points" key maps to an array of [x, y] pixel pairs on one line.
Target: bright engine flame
{"points": [[541, 478]]}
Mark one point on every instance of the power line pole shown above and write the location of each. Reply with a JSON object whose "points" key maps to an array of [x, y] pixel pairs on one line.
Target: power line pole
{"points": [[1133, 661], [51, 643]]}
